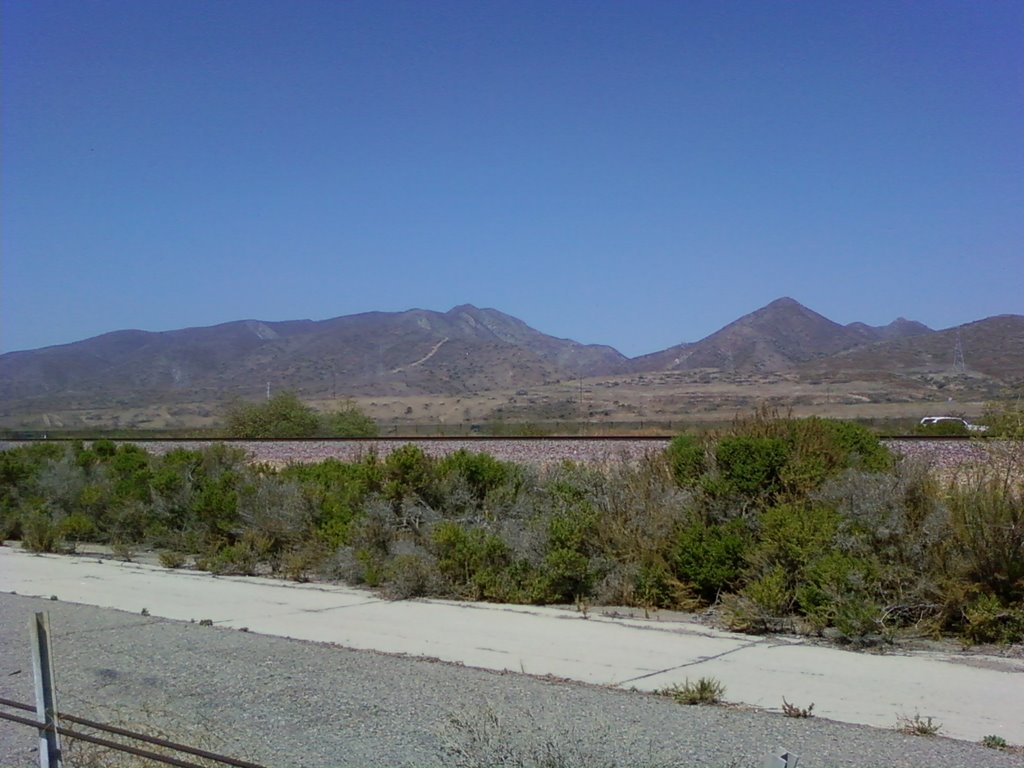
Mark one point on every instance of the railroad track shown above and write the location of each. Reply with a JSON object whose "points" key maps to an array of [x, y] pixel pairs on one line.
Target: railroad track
{"points": [[21, 439], [532, 450]]}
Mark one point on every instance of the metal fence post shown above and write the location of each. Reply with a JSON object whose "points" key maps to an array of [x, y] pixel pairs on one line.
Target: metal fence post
{"points": [[46, 695]]}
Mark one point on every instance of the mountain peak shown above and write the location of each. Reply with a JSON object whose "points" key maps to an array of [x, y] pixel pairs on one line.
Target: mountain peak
{"points": [[785, 302]]}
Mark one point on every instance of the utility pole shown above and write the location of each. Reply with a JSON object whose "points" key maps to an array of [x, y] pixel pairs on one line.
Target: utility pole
{"points": [[581, 401]]}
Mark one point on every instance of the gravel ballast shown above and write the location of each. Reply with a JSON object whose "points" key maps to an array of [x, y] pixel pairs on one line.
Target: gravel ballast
{"points": [[291, 703], [948, 455]]}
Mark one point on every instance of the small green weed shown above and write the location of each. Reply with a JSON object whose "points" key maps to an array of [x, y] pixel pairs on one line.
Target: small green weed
{"points": [[917, 726], [706, 690], [994, 742]]}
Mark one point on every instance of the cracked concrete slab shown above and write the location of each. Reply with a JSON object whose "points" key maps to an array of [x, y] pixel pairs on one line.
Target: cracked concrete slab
{"points": [[980, 697]]}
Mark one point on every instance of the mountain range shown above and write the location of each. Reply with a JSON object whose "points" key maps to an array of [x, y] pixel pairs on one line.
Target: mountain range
{"points": [[469, 350]]}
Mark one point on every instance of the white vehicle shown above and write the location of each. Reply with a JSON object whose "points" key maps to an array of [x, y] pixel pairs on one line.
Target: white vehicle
{"points": [[929, 420]]}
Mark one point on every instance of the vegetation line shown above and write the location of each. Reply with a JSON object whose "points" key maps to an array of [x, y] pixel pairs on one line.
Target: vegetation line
{"points": [[780, 524]]}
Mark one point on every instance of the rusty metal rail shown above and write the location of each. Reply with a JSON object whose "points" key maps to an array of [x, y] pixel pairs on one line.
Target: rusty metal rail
{"points": [[125, 733]]}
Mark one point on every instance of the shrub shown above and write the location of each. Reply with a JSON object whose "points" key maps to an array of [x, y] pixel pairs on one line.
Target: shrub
{"points": [[305, 559], [41, 532], [836, 590], [987, 620], [820, 448], [1006, 419], [793, 537], [412, 572], [472, 560], [241, 558], [987, 520], [61, 483], [766, 456], [771, 595], [276, 513], [348, 421], [481, 473], [130, 474], [408, 473], [104, 448], [570, 520], [655, 586], [336, 492], [751, 466], [481, 739], [687, 459], [283, 415], [712, 557], [172, 559], [77, 528]]}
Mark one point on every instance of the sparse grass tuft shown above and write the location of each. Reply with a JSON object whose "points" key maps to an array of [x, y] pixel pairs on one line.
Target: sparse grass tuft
{"points": [[706, 690], [994, 742], [917, 726], [792, 710]]}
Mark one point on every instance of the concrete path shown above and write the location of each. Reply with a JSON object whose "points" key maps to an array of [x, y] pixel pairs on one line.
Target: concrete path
{"points": [[972, 696]]}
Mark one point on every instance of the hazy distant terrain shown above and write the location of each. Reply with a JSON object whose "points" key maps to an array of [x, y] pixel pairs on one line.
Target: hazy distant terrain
{"points": [[472, 365]]}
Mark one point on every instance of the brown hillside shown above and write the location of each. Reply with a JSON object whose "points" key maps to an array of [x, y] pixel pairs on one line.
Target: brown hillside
{"points": [[772, 338], [993, 347], [465, 349]]}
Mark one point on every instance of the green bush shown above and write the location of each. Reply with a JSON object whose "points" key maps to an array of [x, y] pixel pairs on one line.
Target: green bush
{"points": [[282, 416], [794, 536], [818, 449], [169, 558], [41, 532], [348, 421], [412, 574], [471, 559], [751, 466], [837, 590], [687, 459], [987, 527], [336, 492], [77, 528], [241, 558], [408, 473], [481, 473], [130, 474], [567, 573], [655, 586], [712, 558], [795, 568], [1005, 419], [771, 592], [987, 620]]}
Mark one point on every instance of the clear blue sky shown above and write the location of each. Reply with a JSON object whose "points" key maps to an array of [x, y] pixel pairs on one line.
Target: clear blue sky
{"points": [[629, 173]]}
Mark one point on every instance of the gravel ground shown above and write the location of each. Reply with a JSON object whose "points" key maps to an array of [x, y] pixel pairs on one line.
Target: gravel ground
{"points": [[288, 703]]}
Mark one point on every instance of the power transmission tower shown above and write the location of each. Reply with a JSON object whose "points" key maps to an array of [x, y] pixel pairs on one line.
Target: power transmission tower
{"points": [[959, 365]]}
